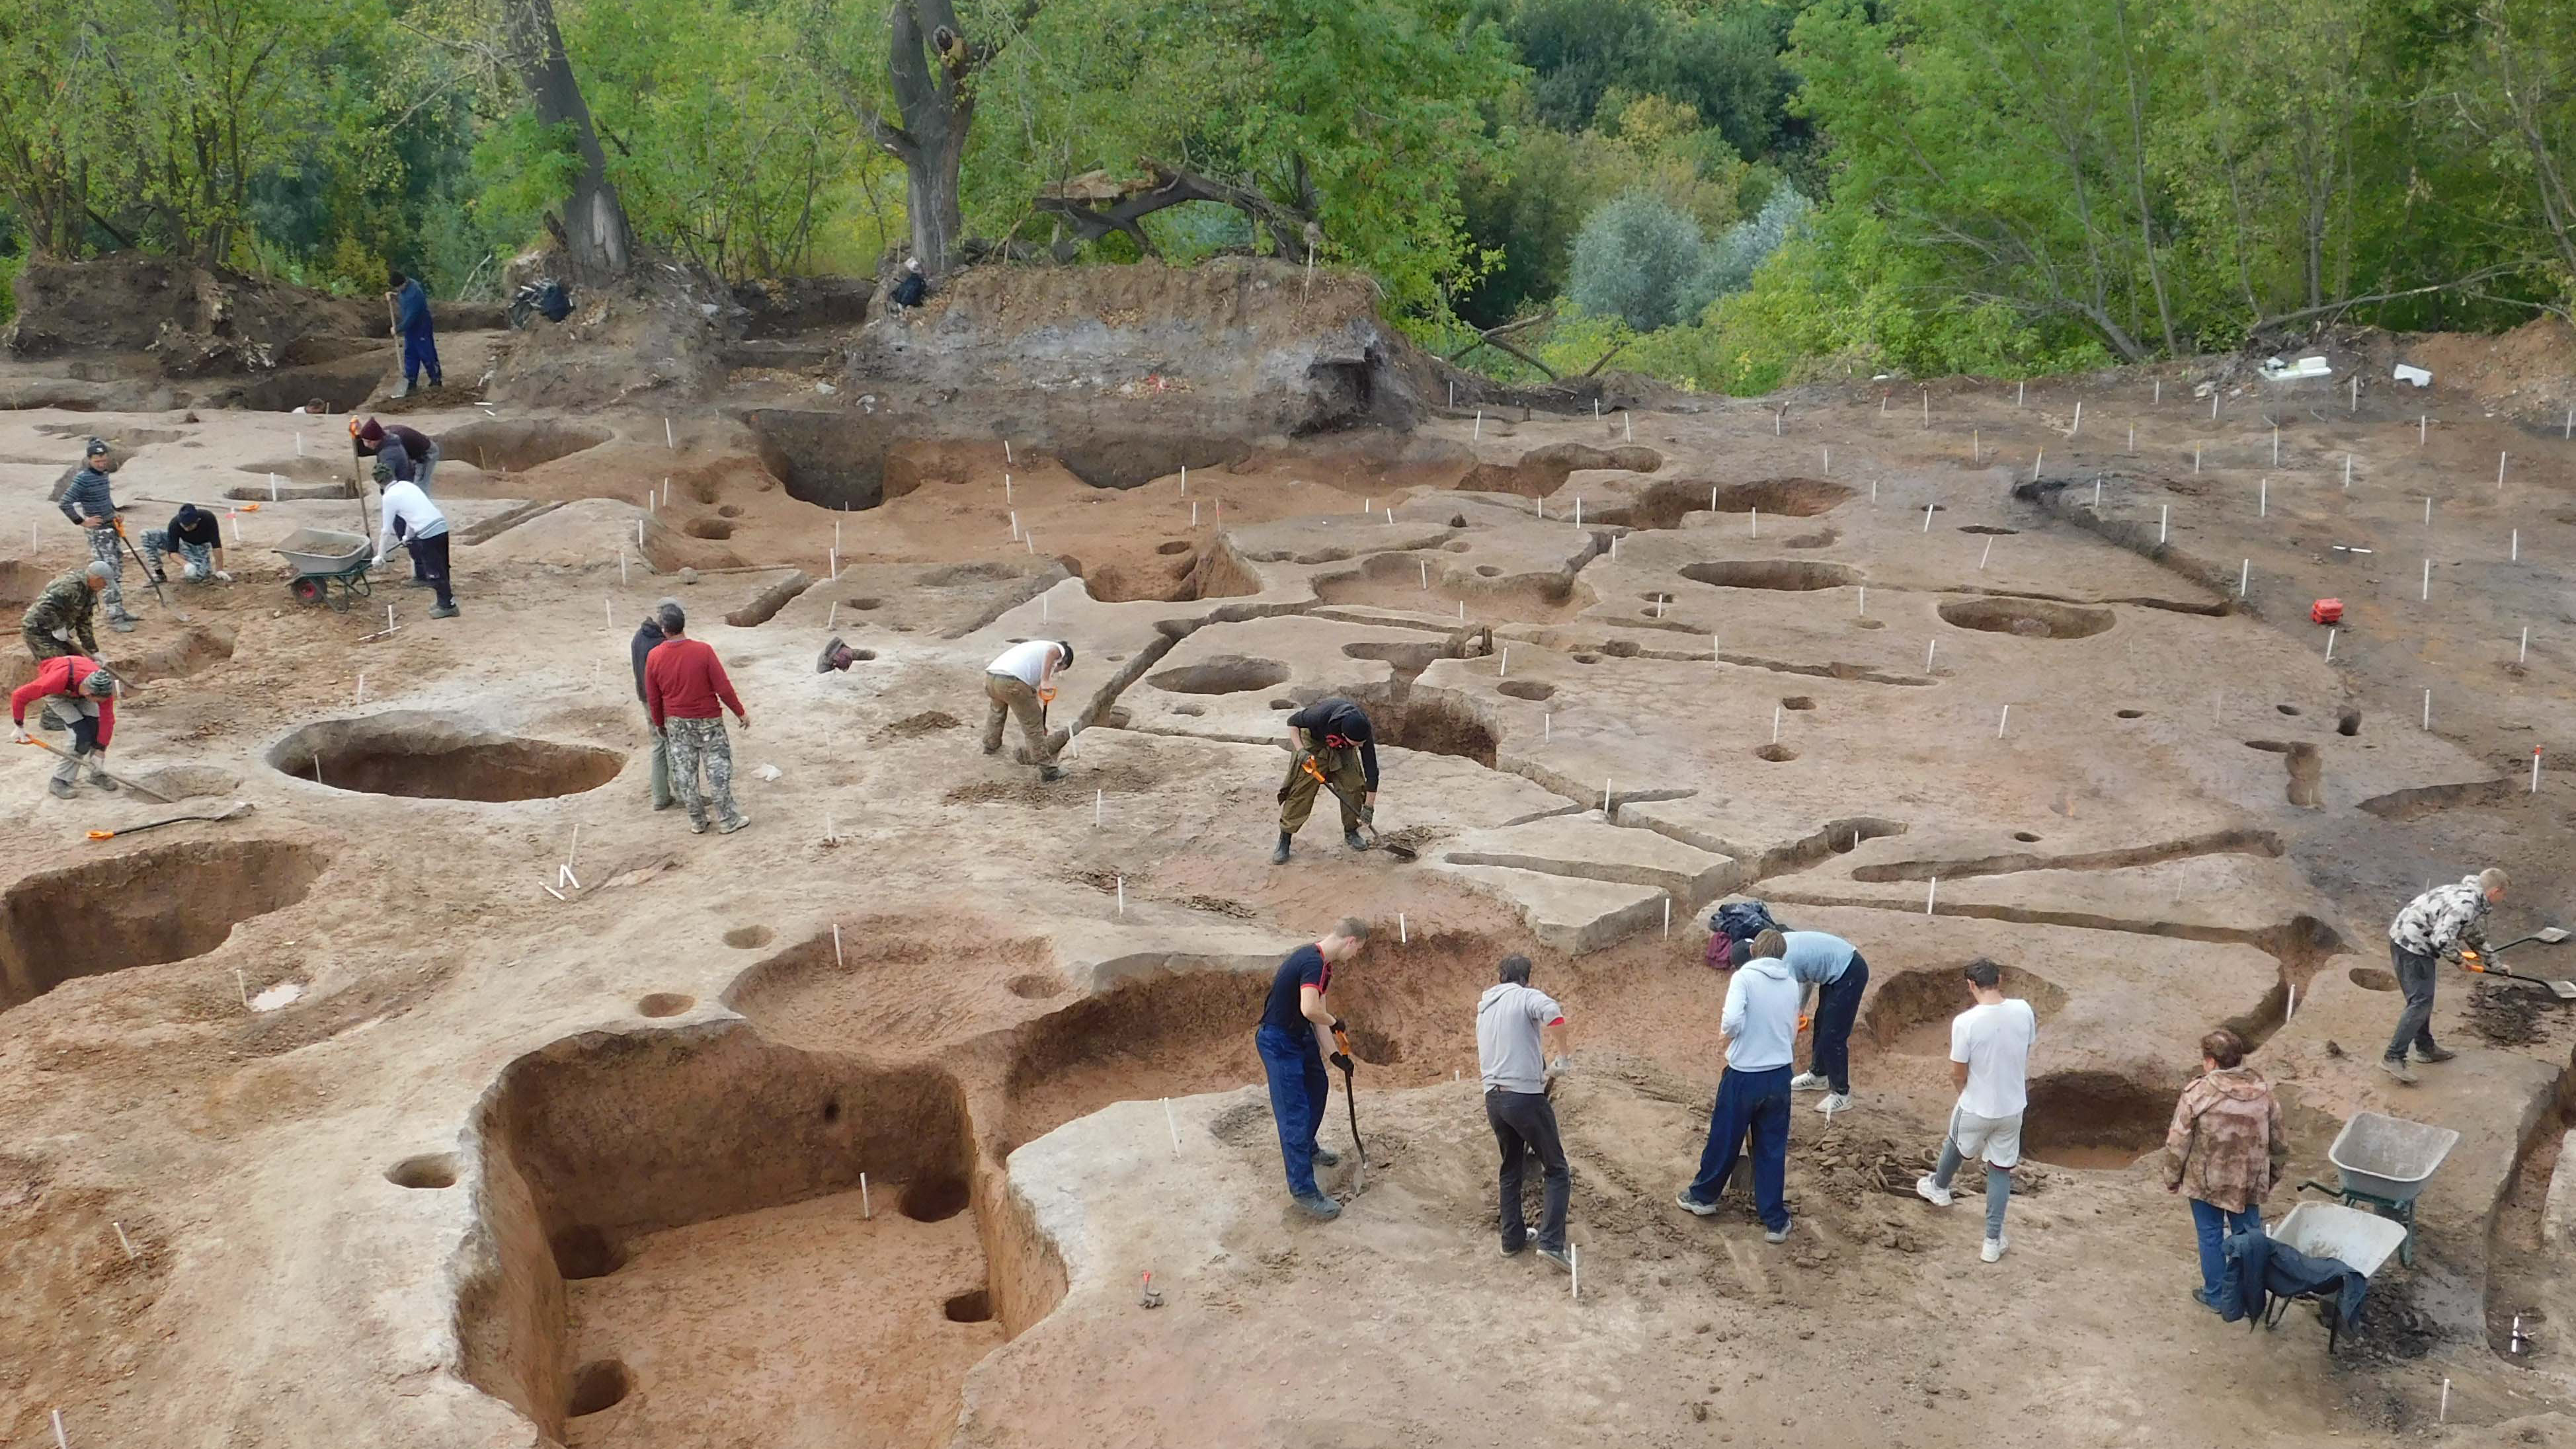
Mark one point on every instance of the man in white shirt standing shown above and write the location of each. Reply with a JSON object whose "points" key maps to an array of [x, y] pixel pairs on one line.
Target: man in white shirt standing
{"points": [[1990, 1060], [424, 531], [1759, 1025], [1021, 682], [1514, 1027]]}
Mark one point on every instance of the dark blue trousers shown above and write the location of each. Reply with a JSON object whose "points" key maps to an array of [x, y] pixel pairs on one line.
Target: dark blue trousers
{"points": [[1299, 1089], [421, 350], [1754, 1104], [1837, 1007]]}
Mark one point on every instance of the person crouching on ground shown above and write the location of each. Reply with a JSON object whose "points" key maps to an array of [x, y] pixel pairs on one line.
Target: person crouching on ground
{"points": [[84, 693], [686, 693], [59, 622], [1759, 1025], [1020, 683], [2435, 924], [1513, 1024], [196, 536], [423, 530], [1832, 968], [1294, 1022], [1990, 1060], [2225, 1151]]}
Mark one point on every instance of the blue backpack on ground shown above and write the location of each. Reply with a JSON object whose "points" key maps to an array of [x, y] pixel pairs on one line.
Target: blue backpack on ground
{"points": [[1743, 920]]}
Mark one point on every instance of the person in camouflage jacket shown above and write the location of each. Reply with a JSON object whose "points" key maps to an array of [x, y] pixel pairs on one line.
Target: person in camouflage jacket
{"points": [[2225, 1150], [2437, 923], [59, 622]]}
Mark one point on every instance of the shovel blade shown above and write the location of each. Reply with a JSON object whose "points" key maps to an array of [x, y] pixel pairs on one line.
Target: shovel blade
{"points": [[2550, 935]]}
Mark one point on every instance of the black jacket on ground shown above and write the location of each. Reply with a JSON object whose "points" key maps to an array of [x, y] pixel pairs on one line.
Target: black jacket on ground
{"points": [[1336, 722], [2267, 1269], [645, 638]]}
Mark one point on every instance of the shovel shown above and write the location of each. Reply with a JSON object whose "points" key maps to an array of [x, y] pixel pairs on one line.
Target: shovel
{"points": [[153, 795], [1359, 1173], [235, 811], [2481, 964], [1376, 841]]}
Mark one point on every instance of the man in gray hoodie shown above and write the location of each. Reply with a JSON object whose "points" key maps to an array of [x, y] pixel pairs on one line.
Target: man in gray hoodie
{"points": [[1759, 1026]]}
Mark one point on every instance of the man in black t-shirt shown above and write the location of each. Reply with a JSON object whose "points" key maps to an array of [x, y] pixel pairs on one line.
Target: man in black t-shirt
{"points": [[1336, 734], [1290, 1040], [194, 534]]}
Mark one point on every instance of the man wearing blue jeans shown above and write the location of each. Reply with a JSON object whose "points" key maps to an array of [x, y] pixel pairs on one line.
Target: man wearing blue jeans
{"points": [[1758, 1026], [1831, 967], [1290, 1039], [1990, 1061]]}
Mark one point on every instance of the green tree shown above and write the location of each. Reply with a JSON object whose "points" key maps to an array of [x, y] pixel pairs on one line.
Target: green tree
{"points": [[1640, 259]]}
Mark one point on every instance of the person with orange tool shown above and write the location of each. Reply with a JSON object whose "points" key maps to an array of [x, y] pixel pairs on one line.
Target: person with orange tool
{"points": [[1335, 736], [1021, 682]]}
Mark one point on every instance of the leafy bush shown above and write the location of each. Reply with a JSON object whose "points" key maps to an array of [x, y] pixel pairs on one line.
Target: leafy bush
{"points": [[10, 266], [1748, 244], [1640, 259]]}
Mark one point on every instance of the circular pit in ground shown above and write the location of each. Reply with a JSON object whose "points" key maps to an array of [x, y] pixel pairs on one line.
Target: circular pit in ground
{"points": [[2028, 618], [423, 756], [1225, 674], [144, 908], [2094, 1121]]}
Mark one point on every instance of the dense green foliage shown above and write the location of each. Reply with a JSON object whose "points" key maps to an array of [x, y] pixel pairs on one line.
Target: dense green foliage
{"points": [[1726, 193]]}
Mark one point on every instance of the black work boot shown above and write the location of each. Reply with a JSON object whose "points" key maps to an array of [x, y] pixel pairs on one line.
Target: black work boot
{"points": [[1279, 855], [1352, 839]]}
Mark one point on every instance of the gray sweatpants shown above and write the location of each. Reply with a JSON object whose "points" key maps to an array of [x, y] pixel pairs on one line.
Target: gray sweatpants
{"points": [[1998, 1185]]}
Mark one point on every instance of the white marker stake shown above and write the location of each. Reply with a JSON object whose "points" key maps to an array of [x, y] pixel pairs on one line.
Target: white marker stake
{"points": [[1864, 599], [2160, 392], [1605, 795], [2276, 445], [1503, 663], [2330, 638], [1006, 488], [1015, 525], [2078, 425], [62, 1443], [2035, 462], [867, 1209], [2428, 581], [2291, 1007], [1829, 462], [2097, 492], [2428, 709], [832, 615], [1775, 724], [2421, 424], [1976, 445], [1714, 657], [1668, 900], [299, 442], [1989, 553], [2132, 448], [1574, 1265], [836, 945], [2164, 522], [668, 441], [2347, 472], [1426, 572], [2213, 407], [2525, 652], [1006, 450], [1185, 474], [2356, 393], [1927, 517], [1547, 726], [122, 1240], [242, 984], [1777, 419], [2535, 769], [2021, 393], [2263, 499], [1578, 510], [1712, 503], [2428, 511], [2195, 457], [2445, 1415], [2500, 470], [1403, 934], [2516, 555], [2002, 722], [1757, 522], [1931, 889], [2244, 572], [1630, 424], [1194, 513], [1927, 655], [639, 535], [1479, 434]]}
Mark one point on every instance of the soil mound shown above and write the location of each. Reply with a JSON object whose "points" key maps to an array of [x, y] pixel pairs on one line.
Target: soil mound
{"points": [[202, 322]]}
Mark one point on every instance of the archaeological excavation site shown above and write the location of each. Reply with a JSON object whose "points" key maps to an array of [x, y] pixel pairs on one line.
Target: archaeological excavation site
{"points": [[415, 1081]]}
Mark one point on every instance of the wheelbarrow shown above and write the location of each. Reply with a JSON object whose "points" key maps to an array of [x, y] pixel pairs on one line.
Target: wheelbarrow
{"points": [[2382, 1163], [327, 567], [2360, 1241]]}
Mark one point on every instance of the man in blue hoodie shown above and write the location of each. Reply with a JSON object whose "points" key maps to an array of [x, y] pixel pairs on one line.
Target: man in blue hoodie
{"points": [[1759, 1026], [420, 341]]}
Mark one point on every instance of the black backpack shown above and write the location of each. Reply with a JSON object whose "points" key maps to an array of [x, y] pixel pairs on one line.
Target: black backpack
{"points": [[1743, 920]]}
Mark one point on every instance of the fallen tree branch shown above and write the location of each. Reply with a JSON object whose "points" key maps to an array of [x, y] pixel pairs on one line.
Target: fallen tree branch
{"points": [[1292, 233]]}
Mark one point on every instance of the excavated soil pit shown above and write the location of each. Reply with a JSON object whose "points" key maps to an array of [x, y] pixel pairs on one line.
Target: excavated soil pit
{"points": [[142, 909], [1125, 459], [832, 460], [1665, 504], [2028, 618], [1796, 575], [896, 978], [1542, 471], [2306, 767], [2099, 1121], [516, 445], [439, 757], [685, 1206], [1776, 754], [1437, 724], [1909, 1013], [1225, 674], [1394, 581], [708, 528], [2372, 978], [665, 1003], [1525, 689]]}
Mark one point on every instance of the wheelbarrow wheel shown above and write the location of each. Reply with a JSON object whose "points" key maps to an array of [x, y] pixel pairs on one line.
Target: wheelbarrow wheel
{"points": [[307, 590]]}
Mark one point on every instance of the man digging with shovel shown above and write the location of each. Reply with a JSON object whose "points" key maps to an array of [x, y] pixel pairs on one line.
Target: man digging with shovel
{"points": [[2440, 922], [82, 692], [1334, 737], [1290, 1039]]}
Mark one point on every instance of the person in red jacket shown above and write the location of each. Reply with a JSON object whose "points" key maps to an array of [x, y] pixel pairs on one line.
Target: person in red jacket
{"points": [[82, 691], [686, 694]]}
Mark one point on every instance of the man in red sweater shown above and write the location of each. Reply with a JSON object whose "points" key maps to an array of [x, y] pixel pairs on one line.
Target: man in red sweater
{"points": [[686, 693], [76, 689]]}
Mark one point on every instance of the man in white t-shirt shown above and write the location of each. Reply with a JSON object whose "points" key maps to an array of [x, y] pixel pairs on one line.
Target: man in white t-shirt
{"points": [[1990, 1060], [1022, 682]]}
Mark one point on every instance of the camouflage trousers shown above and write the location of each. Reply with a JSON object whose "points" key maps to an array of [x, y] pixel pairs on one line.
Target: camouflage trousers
{"points": [[696, 743], [107, 548]]}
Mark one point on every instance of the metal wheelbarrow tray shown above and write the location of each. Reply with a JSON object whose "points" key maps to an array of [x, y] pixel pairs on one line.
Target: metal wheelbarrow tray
{"points": [[2388, 1158], [2359, 1240], [320, 558]]}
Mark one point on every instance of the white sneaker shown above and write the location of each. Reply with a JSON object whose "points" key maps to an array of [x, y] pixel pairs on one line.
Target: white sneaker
{"points": [[1835, 1102], [1933, 1192], [1993, 1250], [1806, 1082]]}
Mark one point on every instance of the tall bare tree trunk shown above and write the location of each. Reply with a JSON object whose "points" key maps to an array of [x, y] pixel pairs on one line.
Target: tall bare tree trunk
{"points": [[595, 231]]}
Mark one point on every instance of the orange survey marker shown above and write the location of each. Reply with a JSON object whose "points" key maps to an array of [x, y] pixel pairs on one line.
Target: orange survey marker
{"points": [[2326, 611]]}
